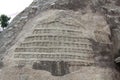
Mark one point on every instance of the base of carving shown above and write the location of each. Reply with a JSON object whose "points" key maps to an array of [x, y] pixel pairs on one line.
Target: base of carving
{"points": [[60, 68]]}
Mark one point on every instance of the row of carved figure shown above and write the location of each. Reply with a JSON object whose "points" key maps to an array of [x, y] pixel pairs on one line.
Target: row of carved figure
{"points": [[70, 50], [53, 56], [56, 44], [60, 31], [56, 37]]}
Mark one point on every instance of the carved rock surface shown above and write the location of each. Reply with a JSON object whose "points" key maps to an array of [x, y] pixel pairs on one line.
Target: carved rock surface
{"points": [[62, 40]]}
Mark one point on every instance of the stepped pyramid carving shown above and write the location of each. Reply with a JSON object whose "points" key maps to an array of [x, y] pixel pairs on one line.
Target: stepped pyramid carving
{"points": [[56, 41], [60, 40]]}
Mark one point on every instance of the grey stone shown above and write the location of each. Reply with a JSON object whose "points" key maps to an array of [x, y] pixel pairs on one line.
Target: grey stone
{"points": [[63, 40]]}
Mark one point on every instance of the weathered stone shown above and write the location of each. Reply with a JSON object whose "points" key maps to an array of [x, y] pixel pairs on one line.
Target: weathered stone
{"points": [[62, 40]]}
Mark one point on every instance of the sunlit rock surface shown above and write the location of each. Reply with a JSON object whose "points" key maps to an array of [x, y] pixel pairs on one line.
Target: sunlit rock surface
{"points": [[62, 40]]}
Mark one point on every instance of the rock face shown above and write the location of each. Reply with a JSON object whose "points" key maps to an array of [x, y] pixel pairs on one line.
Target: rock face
{"points": [[62, 40]]}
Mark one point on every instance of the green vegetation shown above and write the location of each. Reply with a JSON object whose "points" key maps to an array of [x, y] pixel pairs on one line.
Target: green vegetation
{"points": [[4, 20]]}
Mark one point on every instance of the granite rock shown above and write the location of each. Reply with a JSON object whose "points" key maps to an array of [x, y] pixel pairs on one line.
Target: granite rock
{"points": [[62, 40]]}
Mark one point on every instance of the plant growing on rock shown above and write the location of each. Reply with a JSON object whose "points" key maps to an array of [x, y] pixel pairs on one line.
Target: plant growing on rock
{"points": [[4, 20]]}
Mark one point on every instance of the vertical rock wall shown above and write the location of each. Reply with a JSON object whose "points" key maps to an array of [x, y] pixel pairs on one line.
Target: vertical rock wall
{"points": [[62, 40]]}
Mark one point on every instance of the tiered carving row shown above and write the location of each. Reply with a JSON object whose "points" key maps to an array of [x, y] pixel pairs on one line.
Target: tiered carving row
{"points": [[49, 50], [51, 56], [64, 32], [56, 37], [52, 44]]}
